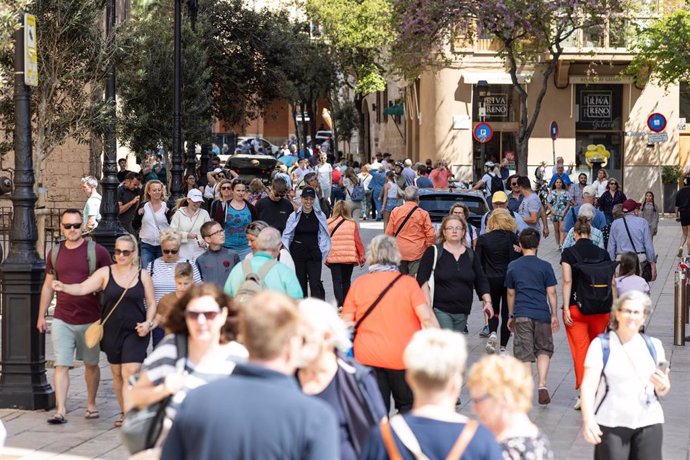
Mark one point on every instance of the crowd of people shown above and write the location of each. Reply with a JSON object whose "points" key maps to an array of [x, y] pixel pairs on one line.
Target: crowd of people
{"points": [[229, 282]]}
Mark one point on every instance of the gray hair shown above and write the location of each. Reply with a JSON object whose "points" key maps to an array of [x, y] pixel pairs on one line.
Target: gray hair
{"points": [[90, 181], [411, 194], [586, 211], [268, 239], [634, 297], [383, 250], [323, 317]]}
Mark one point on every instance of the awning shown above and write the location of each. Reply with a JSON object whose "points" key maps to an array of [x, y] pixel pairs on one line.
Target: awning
{"points": [[395, 110], [495, 78]]}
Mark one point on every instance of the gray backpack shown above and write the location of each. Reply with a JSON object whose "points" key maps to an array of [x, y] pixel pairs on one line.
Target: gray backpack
{"points": [[253, 281]]}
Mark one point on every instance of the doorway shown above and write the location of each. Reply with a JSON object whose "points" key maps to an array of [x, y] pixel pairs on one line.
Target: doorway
{"points": [[502, 145]]}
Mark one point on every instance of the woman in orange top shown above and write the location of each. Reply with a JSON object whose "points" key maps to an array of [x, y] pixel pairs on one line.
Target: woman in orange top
{"points": [[347, 249], [387, 308]]}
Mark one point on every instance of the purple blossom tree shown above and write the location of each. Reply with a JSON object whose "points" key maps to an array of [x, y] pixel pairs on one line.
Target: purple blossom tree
{"points": [[529, 33]]}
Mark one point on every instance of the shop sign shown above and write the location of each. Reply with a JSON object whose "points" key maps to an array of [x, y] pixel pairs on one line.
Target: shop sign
{"points": [[496, 105], [655, 138], [596, 106]]}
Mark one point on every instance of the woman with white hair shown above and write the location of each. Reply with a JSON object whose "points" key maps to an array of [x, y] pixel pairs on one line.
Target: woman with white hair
{"points": [[435, 361], [587, 211], [92, 207], [347, 386]]}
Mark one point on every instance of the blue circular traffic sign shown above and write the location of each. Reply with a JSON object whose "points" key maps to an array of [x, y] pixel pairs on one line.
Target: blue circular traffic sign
{"points": [[656, 122], [553, 130], [483, 132]]}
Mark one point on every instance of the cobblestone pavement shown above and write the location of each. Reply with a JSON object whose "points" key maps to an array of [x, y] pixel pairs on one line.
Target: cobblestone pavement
{"points": [[29, 436]]}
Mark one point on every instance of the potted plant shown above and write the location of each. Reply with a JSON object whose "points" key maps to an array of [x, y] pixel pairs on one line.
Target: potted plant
{"points": [[669, 177]]}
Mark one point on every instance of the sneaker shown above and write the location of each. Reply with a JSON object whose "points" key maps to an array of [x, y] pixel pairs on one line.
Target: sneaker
{"points": [[485, 332], [502, 351], [544, 397], [577, 404], [491, 343], [465, 331]]}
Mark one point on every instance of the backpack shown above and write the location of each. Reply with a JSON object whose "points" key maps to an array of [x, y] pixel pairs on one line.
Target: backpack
{"points": [[357, 193], [90, 256], [253, 281], [606, 351], [496, 185], [594, 292]]}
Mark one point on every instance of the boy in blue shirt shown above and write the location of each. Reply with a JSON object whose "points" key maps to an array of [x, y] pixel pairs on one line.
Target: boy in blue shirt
{"points": [[532, 304]]}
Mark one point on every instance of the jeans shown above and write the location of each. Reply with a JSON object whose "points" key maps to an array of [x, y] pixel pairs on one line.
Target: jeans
{"points": [[308, 271], [149, 253], [342, 277], [366, 205], [453, 321], [378, 204]]}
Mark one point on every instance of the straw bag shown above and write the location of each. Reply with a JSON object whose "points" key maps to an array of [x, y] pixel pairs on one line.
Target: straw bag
{"points": [[94, 333]]}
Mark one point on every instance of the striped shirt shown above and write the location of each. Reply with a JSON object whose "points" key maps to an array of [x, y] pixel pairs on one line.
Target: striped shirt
{"points": [[164, 361], [163, 276]]}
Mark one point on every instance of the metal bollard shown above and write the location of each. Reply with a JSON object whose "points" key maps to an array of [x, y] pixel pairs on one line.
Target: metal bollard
{"points": [[678, 312], [685, 266]]}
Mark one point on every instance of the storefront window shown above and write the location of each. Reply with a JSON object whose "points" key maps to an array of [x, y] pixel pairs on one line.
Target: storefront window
{"points": [[501, 103], [684, 111]]}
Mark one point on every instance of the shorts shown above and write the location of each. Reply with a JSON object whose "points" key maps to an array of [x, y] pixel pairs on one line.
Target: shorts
{"points": [[532, 338], [70, 337], [128, 348], [391, 204], [684, 218]]}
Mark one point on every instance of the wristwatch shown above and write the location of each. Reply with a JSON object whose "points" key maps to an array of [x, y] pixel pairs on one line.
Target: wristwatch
{"points": [[150, 323], [511, 316]]}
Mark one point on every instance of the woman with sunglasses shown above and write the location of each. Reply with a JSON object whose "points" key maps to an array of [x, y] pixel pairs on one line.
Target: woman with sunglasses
{"points": [[234, 215], [187, 222], [150, 220], [205, 320], [515, 195], [126, 332], [162, 271], [610, 198]]}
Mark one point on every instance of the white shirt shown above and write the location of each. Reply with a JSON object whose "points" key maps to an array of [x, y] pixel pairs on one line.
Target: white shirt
{"points": [[324, 173], [601, 186], [184, 224], [152, 224], [628, 370]]}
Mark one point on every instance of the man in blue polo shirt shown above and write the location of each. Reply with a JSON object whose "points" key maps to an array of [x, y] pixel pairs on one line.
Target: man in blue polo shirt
{"points": [[259, 412]]}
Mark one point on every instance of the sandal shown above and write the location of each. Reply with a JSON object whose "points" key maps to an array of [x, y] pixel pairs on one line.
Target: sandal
{"points": [[120, 420], [91, 414], [57, 419]]}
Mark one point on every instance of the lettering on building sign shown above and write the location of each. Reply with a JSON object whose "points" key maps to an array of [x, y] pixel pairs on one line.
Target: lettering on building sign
{"points": [[596, 106], [496, 105]]}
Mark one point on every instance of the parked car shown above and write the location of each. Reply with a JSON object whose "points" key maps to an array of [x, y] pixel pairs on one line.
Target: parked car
{"points": [[244, 142], [437, 202], [251, 165]]}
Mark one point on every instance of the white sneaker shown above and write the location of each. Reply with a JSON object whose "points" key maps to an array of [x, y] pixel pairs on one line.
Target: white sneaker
{"points": [[577, 404], [491, 343], [502, 351]]}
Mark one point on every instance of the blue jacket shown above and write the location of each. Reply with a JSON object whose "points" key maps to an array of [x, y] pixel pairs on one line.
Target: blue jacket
{"points": [[324, 235], [378, 180]]}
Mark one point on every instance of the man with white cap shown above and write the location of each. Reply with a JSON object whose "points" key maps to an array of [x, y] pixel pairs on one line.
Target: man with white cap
{"points": [[490, 182], [589, 194], [499, 200], [631, 233]]}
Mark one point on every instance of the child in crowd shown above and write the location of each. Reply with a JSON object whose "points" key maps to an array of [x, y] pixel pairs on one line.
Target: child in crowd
{"points": [[183, 281]]}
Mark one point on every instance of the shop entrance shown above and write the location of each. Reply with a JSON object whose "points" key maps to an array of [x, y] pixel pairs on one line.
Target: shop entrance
{"points": [[501, 145]]}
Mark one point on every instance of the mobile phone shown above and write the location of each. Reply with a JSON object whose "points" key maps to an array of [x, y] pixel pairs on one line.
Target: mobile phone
{"points": [[662, 366]]}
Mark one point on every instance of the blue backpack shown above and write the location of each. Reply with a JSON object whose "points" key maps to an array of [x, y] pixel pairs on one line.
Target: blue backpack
{"points": [[606, 351]]}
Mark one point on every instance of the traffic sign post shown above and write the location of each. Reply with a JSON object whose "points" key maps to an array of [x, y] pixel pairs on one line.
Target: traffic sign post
{"points": [[553, 132], [656, 122], [483, 132]]}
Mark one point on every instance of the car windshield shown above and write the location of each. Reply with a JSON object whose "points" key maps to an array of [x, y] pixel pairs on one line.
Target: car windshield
{"points": [[438, 205]]}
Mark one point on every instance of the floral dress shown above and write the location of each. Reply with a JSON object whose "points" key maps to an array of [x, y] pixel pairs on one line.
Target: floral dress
{"points": [[527, 448], [559, 202]]}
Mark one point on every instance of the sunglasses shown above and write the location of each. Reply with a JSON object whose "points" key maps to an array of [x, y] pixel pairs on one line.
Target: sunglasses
{"points": [[124, 252], [208, 315], [278, 195], [72, 226], [226, 188], [170, 251], [513, 184]]}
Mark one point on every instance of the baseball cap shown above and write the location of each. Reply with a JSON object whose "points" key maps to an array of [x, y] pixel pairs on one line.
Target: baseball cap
{"points": [[499, 197], [630, 205], [489, 164], [217, 170], [195, 195], [589, 190], [308, 192]]}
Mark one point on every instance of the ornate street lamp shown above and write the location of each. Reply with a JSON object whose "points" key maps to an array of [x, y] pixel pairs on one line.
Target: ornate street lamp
{"points": [[23, 382]]}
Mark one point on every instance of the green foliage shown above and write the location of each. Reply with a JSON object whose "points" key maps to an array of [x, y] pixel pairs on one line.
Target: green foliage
{"points": [[344, 118], [664, 48], [73, 58], [670, 174]]}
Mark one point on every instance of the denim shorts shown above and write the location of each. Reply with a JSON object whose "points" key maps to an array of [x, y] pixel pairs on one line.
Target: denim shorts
{"points": [[391, 203], [68, 338]]}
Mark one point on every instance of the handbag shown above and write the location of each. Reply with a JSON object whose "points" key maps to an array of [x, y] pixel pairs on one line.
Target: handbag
{"points": [[432, 282], [94, 333], [645, 266], [142, 428]]}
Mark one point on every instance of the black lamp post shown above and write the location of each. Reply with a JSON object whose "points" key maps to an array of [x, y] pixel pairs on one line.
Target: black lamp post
{"points": [[23, 382], [482, 90], [109, 228]]}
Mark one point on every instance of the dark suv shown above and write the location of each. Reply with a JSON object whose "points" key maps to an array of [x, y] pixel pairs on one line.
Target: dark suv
{"points": [[437, 202]]}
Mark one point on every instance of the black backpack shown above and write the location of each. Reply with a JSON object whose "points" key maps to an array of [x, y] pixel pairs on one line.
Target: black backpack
{"points": [[594, 292], [496, 184]]}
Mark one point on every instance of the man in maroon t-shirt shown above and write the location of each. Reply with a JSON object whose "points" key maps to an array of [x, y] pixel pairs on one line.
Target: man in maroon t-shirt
{"points": [[73, 314]]}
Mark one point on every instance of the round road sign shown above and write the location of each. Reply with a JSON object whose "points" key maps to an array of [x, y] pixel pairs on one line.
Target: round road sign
{"points": [[553, 130], [483, 132], [656, 122]]}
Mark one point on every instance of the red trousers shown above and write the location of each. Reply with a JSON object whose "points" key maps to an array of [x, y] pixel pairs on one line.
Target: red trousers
{"points": [[583, 330]]}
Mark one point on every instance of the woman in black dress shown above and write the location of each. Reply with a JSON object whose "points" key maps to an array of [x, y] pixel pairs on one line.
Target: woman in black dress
{"points": [[129, 320]]}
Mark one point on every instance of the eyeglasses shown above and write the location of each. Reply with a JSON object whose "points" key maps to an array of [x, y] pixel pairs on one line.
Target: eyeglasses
{"points": [[479, 399], [628, 312], [124, 252], [278, 195], [215, 233], [455, 229], [72, 226], [194, 315], [170, 251], [226, 187]]}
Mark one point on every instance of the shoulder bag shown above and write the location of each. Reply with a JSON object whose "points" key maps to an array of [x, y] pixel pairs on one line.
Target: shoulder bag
{"points": [[373, 305], [342, 221], [398, 425], [141, 428], [94, 333], [645, 267]]}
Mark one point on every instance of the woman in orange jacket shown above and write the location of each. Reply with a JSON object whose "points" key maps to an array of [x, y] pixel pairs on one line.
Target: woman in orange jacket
{"points": [[347, 249]]}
